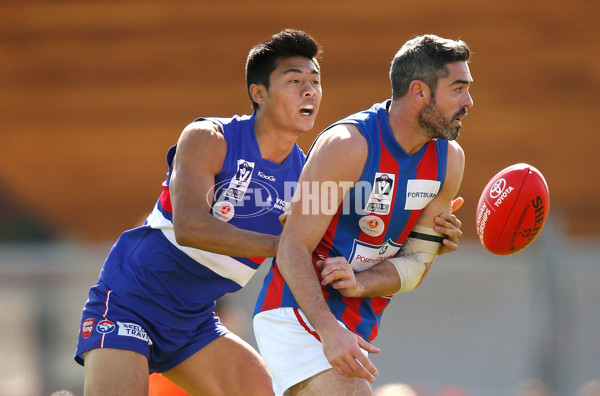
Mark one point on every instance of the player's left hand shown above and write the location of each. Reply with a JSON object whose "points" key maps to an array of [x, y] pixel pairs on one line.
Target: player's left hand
{"points": [[338, 273], [450, 225], [342, 348]]}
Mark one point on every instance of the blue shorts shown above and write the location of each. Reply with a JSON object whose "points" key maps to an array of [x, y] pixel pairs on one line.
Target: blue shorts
{"points": [[150, 299]]}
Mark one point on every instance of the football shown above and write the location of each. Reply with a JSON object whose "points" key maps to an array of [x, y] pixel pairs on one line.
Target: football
{"points": [[512, 209]]}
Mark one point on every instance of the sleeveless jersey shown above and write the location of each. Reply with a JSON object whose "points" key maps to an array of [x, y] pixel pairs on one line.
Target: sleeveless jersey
{"points": [[250, 193], [374, 220]]}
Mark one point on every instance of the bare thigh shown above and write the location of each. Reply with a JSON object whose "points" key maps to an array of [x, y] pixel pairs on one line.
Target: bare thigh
{"points": [[330, 382], [111, 371], [226, 366]]}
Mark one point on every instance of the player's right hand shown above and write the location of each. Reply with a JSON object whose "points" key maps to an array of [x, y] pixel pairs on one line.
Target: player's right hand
{"points": [[338, 273], [343, 350]]}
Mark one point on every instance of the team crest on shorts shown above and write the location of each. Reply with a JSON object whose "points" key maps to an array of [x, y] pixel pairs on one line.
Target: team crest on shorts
{"points": [[105, 326], [86, 327]]}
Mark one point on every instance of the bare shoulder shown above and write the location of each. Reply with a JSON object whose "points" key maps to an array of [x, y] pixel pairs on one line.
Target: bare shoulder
{"points": [[202, 131], [338, 154], [342, 140], [456, 153], [201, 142]]}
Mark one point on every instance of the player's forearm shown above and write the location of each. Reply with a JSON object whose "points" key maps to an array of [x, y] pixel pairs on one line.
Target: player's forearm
{"points": [[378, 281], [218, 237], [295, 265]]}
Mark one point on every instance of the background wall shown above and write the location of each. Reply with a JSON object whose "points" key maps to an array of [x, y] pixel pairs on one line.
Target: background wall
{"points": [[93, 93]]}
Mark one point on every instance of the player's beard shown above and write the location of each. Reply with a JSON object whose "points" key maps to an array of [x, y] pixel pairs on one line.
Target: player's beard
{"points": [[436, 125]]}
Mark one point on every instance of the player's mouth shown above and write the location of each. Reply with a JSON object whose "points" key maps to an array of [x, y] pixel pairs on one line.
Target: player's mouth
{"points": [[458, 117], [307, 110]]}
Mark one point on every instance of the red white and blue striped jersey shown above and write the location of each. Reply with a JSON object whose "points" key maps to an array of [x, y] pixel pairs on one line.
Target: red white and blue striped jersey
{"points": [[374, 220], [250, 193]]}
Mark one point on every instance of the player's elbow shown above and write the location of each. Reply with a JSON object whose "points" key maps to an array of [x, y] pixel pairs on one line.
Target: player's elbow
{"points": [[187, 234], [183, 234]]}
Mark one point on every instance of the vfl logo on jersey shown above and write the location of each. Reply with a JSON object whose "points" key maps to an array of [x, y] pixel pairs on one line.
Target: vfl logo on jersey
{"points": [[380, 200], [241, 180], [371, 225], [86, 327], [223, 210], [133, 330], [419, 192], [365, 255], [105, 326]]}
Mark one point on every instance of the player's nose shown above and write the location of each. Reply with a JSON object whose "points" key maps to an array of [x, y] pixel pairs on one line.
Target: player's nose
{"points": [[468, 101], [310, 90]]}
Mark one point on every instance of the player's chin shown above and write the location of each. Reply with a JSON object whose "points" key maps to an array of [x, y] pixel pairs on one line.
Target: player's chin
{"points": [[452, 134], [306, 125]]}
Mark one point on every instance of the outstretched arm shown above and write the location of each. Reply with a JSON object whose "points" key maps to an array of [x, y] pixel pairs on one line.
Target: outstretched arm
{"points": [[200, 154], [322, 185]]}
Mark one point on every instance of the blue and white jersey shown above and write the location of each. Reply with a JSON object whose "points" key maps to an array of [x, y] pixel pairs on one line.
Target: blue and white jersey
{"points": [[249, 193], [156, 297]]}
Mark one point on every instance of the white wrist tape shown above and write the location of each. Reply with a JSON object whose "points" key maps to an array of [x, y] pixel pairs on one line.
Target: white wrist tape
{"points": [[420, 247]]}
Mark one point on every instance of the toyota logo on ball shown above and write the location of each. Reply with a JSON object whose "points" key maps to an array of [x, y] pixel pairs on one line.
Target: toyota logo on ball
{"points": [[497, 188]]}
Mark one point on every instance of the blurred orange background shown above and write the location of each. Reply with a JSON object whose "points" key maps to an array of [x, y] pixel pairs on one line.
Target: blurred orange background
{"points": [[92, 94]]}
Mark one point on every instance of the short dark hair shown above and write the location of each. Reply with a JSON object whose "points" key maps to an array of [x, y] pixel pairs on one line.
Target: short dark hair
{"points": [[287, 43], [424, 58]]}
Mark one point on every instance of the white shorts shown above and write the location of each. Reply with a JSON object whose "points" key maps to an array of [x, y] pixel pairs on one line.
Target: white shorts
{"points": [[289, 346]]}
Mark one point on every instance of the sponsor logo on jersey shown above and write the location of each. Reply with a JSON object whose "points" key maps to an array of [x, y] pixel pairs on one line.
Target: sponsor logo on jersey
{"points": [[371, 225], [240, 181], [223, 210], [281, 204], [419, 192], [380, 200], [86, 327], [133, 330], [105, 326], [268, 177], [365, 255]]}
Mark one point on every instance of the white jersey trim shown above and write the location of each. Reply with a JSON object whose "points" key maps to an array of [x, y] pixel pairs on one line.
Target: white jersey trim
{"points": [[223, 265]]}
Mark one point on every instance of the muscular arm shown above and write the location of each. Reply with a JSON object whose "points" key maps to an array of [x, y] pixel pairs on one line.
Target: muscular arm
{"points": [[327, 165], [383, 279], [200, 154]]}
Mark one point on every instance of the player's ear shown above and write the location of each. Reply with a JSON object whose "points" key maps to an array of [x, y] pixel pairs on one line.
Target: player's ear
{"points": [[419, 91], [258, 93]]}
